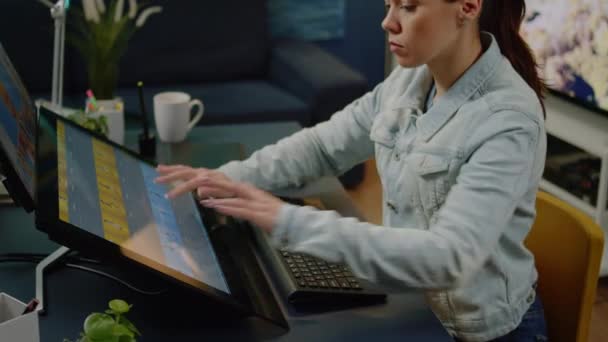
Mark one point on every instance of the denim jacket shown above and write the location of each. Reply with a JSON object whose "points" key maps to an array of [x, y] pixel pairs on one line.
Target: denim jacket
{"points": [[459, 186]]}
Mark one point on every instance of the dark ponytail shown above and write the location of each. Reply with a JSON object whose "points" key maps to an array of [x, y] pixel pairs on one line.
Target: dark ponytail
{"points": [[503, 19]]}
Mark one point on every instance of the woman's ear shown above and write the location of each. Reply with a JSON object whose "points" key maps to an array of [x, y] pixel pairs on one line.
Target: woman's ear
{"points": [[470, 10]]}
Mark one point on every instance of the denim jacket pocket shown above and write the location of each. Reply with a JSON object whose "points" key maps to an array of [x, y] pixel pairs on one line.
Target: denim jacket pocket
{"points": [[384, 134], [433, 174], [384, 130]]}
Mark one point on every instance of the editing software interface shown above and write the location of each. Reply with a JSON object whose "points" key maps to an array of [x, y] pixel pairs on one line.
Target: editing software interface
{"points": [[122, 204]]}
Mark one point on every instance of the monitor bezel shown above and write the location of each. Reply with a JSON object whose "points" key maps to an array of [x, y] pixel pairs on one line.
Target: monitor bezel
{"points": [[15, 186], [73, 237], [578, 101]]}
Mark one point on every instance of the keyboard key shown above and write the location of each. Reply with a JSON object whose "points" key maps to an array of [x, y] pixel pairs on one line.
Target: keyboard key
{"points": [[334, 284], [323, 284]]}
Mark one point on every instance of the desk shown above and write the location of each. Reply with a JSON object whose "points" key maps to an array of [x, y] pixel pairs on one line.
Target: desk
{"points": [[72, 294]]}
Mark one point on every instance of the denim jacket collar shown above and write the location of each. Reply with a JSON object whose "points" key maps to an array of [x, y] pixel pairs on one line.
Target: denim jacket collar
{"points": [[464, 88]]}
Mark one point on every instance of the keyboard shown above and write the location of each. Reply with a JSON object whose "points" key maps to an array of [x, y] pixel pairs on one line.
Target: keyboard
{"points": [[314, 273], [312, 283], [309, 281]]}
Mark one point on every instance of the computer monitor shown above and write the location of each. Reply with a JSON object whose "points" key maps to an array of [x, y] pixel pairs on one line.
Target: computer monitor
{"points": [[100, 198], [17, 128]]}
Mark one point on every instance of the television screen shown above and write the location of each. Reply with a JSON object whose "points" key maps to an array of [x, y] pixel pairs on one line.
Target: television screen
{"points": [[570, 41]]}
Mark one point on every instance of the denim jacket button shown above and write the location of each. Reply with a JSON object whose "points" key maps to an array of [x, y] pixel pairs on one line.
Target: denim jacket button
{"points": [[530, 298], [392, 207], [397, 156]]}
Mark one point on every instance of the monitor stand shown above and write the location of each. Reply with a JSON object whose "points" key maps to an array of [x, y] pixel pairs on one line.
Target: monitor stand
{"points": [[40, 268], [18, 198], [20, 201]]}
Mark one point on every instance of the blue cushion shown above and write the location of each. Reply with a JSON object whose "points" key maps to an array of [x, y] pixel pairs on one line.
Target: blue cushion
{"points": [[225, 103]]}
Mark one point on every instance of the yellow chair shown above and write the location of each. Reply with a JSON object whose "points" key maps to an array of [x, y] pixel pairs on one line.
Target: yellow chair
{"points": [[567, 246]]}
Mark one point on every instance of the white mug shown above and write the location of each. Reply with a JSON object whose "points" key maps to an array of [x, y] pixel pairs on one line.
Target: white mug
{"points": [[172, 111]]}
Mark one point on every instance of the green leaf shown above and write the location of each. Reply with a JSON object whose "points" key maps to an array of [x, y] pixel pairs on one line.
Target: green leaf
{"points": [[98, 326], [119, 306], [121, 330], [124, 321]]}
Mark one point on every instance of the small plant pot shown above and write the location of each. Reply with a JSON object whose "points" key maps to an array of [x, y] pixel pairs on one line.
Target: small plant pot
{"points": [[113, 110]]}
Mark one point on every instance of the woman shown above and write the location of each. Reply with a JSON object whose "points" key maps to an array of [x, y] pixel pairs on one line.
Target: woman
{"points": [[459, 142]]}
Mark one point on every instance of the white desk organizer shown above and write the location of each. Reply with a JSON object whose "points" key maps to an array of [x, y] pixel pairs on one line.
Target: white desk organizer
{"points": [[15, 327]]}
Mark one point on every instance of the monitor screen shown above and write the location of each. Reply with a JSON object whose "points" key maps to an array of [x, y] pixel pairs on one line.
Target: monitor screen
{"points": [[100, 199], [113, 195], [17, 125], [570, 41]]}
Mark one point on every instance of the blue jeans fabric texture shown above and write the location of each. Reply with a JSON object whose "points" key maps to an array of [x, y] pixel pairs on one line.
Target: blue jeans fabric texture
{"points": [[533, 327]]}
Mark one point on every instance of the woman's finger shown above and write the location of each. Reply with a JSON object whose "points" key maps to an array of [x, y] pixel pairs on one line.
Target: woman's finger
{"points": [[180, 174], [164, 169], [187, 186], [206, 191], [229, 202], [235, 202], [237, 188]]}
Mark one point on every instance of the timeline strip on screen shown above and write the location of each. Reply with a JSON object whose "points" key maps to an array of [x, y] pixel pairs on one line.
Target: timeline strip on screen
{"points": [[113, 213], [166, 222], [64, 212]]}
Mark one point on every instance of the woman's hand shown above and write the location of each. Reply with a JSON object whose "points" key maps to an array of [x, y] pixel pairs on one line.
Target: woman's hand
{"points": [[249, 203], [191, 179]]}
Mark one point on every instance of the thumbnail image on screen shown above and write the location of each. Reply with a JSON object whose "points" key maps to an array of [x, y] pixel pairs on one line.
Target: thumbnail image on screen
{"points": [[111, 194], [570, 41], [17, 123]]}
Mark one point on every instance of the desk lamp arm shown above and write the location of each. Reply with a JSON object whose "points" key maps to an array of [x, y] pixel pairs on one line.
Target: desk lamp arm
{"points": [[58, 13]]}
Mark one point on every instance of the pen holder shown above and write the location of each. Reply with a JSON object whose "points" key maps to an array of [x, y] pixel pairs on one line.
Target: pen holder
{"points": [[14, 326], [114, 112]]}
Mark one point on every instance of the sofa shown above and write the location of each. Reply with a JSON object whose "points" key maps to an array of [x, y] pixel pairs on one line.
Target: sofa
{"points": [[219, 51]]}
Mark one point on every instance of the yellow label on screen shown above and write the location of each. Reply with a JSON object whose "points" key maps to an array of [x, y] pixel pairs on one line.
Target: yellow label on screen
{"points": [[64, 213], [113, 213]]}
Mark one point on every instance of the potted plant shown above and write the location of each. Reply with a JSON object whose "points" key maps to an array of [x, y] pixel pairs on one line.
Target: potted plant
{"points": [[111, 326], [98, 124], [100, 31]]}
